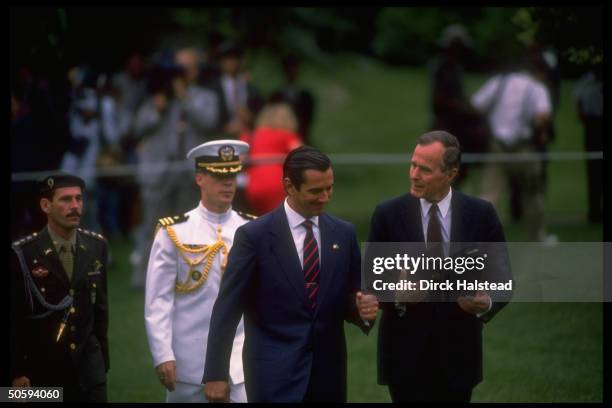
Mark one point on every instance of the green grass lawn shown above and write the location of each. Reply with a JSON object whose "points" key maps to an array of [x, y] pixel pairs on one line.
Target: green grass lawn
{"points": [[533, 352]]}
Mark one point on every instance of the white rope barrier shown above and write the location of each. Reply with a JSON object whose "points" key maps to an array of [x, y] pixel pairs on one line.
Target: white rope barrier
{"points": [[150, 169]]}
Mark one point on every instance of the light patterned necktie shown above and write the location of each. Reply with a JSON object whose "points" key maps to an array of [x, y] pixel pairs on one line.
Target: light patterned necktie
{"points": [[67, 259]]}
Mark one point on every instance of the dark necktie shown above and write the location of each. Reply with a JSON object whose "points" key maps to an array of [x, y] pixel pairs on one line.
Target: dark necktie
{"points": [[311, 266], [434, 234], [434, 247]]}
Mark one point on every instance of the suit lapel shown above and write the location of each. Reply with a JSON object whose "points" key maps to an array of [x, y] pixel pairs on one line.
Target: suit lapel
{"points": [[457, 218], [328, 258], [50, 258], [286, 253], [411, 212]]}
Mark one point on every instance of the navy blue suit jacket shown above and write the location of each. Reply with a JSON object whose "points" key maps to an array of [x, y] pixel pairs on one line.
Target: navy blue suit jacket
{"points": [[434, 333], [288, 348]]}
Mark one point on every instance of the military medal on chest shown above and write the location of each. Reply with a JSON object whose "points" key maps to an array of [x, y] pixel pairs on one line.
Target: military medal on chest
{"points": [[196, 255]]}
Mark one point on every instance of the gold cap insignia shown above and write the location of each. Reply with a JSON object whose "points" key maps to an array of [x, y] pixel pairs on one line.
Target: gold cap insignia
{"points": [[226, 153]]}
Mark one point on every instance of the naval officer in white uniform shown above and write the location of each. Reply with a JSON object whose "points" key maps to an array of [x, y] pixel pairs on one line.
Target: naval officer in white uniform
{"points": [[185, 268]]}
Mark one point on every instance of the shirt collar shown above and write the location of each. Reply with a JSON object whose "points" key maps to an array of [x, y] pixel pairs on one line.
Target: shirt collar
{"points": [[58, 241], [443, 205], [296, 219], [213, 216]]}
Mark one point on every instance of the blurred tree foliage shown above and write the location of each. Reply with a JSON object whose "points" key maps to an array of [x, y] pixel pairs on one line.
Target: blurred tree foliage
{"points": [[45, 36], [576, 32]]}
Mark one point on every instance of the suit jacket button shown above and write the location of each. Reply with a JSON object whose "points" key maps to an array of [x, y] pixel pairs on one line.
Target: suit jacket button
{"points": [[71, 292], [72, 346], [72, 328]]}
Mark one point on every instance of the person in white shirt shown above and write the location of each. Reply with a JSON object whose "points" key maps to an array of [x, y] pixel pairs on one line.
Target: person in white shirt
{"points": [[186, 265], [519, 110]]}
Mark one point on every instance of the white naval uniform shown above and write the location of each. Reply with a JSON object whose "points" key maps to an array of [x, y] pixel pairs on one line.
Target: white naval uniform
{"points": [[177, 323]]}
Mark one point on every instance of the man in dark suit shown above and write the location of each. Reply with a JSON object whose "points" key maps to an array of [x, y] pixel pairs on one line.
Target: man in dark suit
{"points": [[299, 98], [59, 313], [295, 274], [431, 350], [238, 100]]}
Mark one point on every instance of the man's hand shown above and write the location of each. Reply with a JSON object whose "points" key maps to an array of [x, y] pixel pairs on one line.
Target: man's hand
{"points": [[367, 306], [216, 391], [167, 374], [21, 382], [475, 304]]}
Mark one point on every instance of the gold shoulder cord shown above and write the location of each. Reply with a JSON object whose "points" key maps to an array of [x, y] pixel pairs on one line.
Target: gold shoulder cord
{"points": [[208, 254]]}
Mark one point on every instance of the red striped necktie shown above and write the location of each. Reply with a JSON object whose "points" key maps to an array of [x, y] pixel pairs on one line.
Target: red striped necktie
{"points": [[311, 266]]}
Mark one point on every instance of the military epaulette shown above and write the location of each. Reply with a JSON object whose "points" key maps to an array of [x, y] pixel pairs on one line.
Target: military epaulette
{"points": [[177, 219], [247, 216], [25, 240], [92, 234]]}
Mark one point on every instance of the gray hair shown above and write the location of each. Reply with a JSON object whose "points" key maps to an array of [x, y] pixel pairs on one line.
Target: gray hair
{"points": [[452, 152]]}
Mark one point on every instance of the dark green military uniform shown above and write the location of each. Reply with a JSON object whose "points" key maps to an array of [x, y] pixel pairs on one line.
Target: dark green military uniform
{"points": [[42, 298]]}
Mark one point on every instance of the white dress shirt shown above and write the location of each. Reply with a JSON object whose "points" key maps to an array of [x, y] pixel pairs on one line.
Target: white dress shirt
{"points": [[298, 231], [444, 216]]}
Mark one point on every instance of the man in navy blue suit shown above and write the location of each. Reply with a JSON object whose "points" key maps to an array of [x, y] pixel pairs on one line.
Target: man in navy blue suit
{"points": [[295, 275], [428, 350]]}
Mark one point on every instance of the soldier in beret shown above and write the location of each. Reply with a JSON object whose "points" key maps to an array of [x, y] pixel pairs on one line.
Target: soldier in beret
{"points": [[186, 265], [59, 313]]}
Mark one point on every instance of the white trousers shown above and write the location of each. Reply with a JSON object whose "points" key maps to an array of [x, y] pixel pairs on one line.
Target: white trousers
{"points": [[184, 392]]}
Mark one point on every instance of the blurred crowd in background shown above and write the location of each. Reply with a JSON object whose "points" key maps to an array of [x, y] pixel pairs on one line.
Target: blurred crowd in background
{"points": [[150, 110], [150, 113]]}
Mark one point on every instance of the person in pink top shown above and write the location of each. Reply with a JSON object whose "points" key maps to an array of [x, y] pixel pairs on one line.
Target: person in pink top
{"points": [[274, 136]]}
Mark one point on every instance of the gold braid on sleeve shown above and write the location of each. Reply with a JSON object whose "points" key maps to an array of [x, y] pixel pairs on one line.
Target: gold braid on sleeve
{"points": [[207, 254]]}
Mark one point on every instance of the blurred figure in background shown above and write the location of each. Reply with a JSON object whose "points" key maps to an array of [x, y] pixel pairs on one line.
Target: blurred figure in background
{"points": [[547, 62], [238, 100], [37, 120], [299, 99], [238, 103], [85, 138], [451, 108], [129, 87], [519, 111], [588, 94], [275, 136], [156, 126], [179, 114], [111, 154], [198, 116]]}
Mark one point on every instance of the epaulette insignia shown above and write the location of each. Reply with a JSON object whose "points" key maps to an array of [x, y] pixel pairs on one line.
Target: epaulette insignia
{"points": [[247, 216], [177, 219], [92, 234], [25, 240]]}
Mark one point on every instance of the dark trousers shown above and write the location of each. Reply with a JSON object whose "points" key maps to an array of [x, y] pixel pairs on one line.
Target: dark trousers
{"points": [[593, 141], [433, 391], [430, 384]]}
